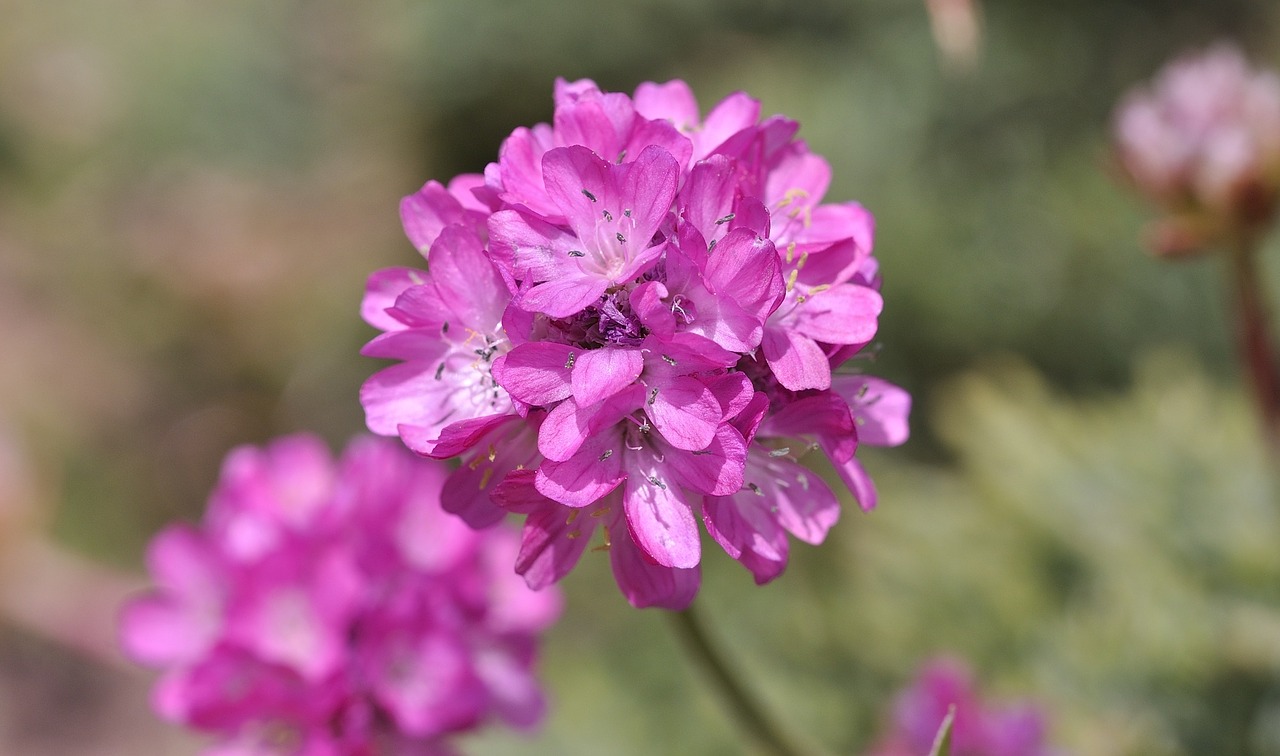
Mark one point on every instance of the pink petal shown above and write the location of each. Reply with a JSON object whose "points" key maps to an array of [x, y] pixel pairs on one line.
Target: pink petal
{"points": [[586, 476], [550, 546], [466, 280], [645, 583], [381, 291], [796, 360], [426, 212], [660, 520], [716, 470], [600, 373], [672, 101], [745, 268], [567, 426], [424, 344], [685, 412], [537, 373], [458, 437], [879, 408], [747, 534], [859, 482], [566, 296], [845, 314], [734, 113], [404, 394]]}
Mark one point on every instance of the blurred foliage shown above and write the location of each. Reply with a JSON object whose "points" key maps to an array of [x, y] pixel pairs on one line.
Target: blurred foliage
{"points": [[191, 196]]}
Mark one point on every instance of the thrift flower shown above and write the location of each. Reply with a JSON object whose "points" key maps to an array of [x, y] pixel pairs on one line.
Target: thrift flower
{"points": [[334, 608], [1203, 142], [640, 318], [979, 729]]}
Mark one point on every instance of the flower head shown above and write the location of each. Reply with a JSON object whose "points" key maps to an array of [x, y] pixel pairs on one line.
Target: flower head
{"points": [[335, 608], [654, 305], [978, 729], [1203, 142]]}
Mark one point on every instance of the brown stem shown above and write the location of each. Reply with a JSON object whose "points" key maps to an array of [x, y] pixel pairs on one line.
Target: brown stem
{"points": [[1253, 338]]}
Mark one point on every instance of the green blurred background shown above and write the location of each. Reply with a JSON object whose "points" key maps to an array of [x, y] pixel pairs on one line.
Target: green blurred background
{"points": [[191, 195]]}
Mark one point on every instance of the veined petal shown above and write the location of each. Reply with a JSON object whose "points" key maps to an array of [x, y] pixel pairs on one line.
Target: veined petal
{"points": [[552, 541], [845, 314], [586, 476], [880, 409], [645, 583], [795, 359], [660, 520], [748, 534], [537, 373], [600, 373], [380, 293], [855, 476], [566, 296], [466, 280], [568, 425], [715, 470], [685, 411]]}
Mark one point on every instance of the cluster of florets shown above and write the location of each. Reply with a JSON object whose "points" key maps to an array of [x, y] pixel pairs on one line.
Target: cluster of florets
{"points": [[978, 728], [630, 323], [1203, 141], [337, 609]]}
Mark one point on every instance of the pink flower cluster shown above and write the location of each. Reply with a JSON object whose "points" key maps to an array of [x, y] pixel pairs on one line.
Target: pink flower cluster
{"points": [[629, 324], [326, 608], [1203, 141], [977, 730]]}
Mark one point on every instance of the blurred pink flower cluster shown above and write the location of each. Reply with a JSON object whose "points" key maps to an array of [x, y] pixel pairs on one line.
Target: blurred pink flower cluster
{"points": [[334, 608], [1203, 142], [979, 729], [629, 324]]}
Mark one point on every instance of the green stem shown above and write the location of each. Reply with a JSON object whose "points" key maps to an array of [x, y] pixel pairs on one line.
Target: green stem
{"points": [[1253, 337], [743, 706]]}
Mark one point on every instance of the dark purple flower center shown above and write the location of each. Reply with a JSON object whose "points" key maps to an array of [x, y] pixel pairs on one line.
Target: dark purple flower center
{"points": [[609, 322]]}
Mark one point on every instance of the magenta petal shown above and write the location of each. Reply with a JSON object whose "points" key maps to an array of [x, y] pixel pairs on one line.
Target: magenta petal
{"points": [[685, 412], [568, 425], [155, 630], [708, 196], [746, 268], [380, 293], [466, 280], [536, 373], [859, 482], [801, 501], [715, 470], [458, 437], [550, 546], [600, 373], [404, 394], [586, 476], [426, 212], [796, 360], [731, 115], [645, 583], [660, 520], [748, 534], [846, 314], [466, 494], [672, 101], [647, 303], [422, 344], [563, 297], [734, 392], [879, 408]]}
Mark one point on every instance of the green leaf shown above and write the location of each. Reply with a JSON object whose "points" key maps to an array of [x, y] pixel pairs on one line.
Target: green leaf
{"points": [[942, 741]]}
